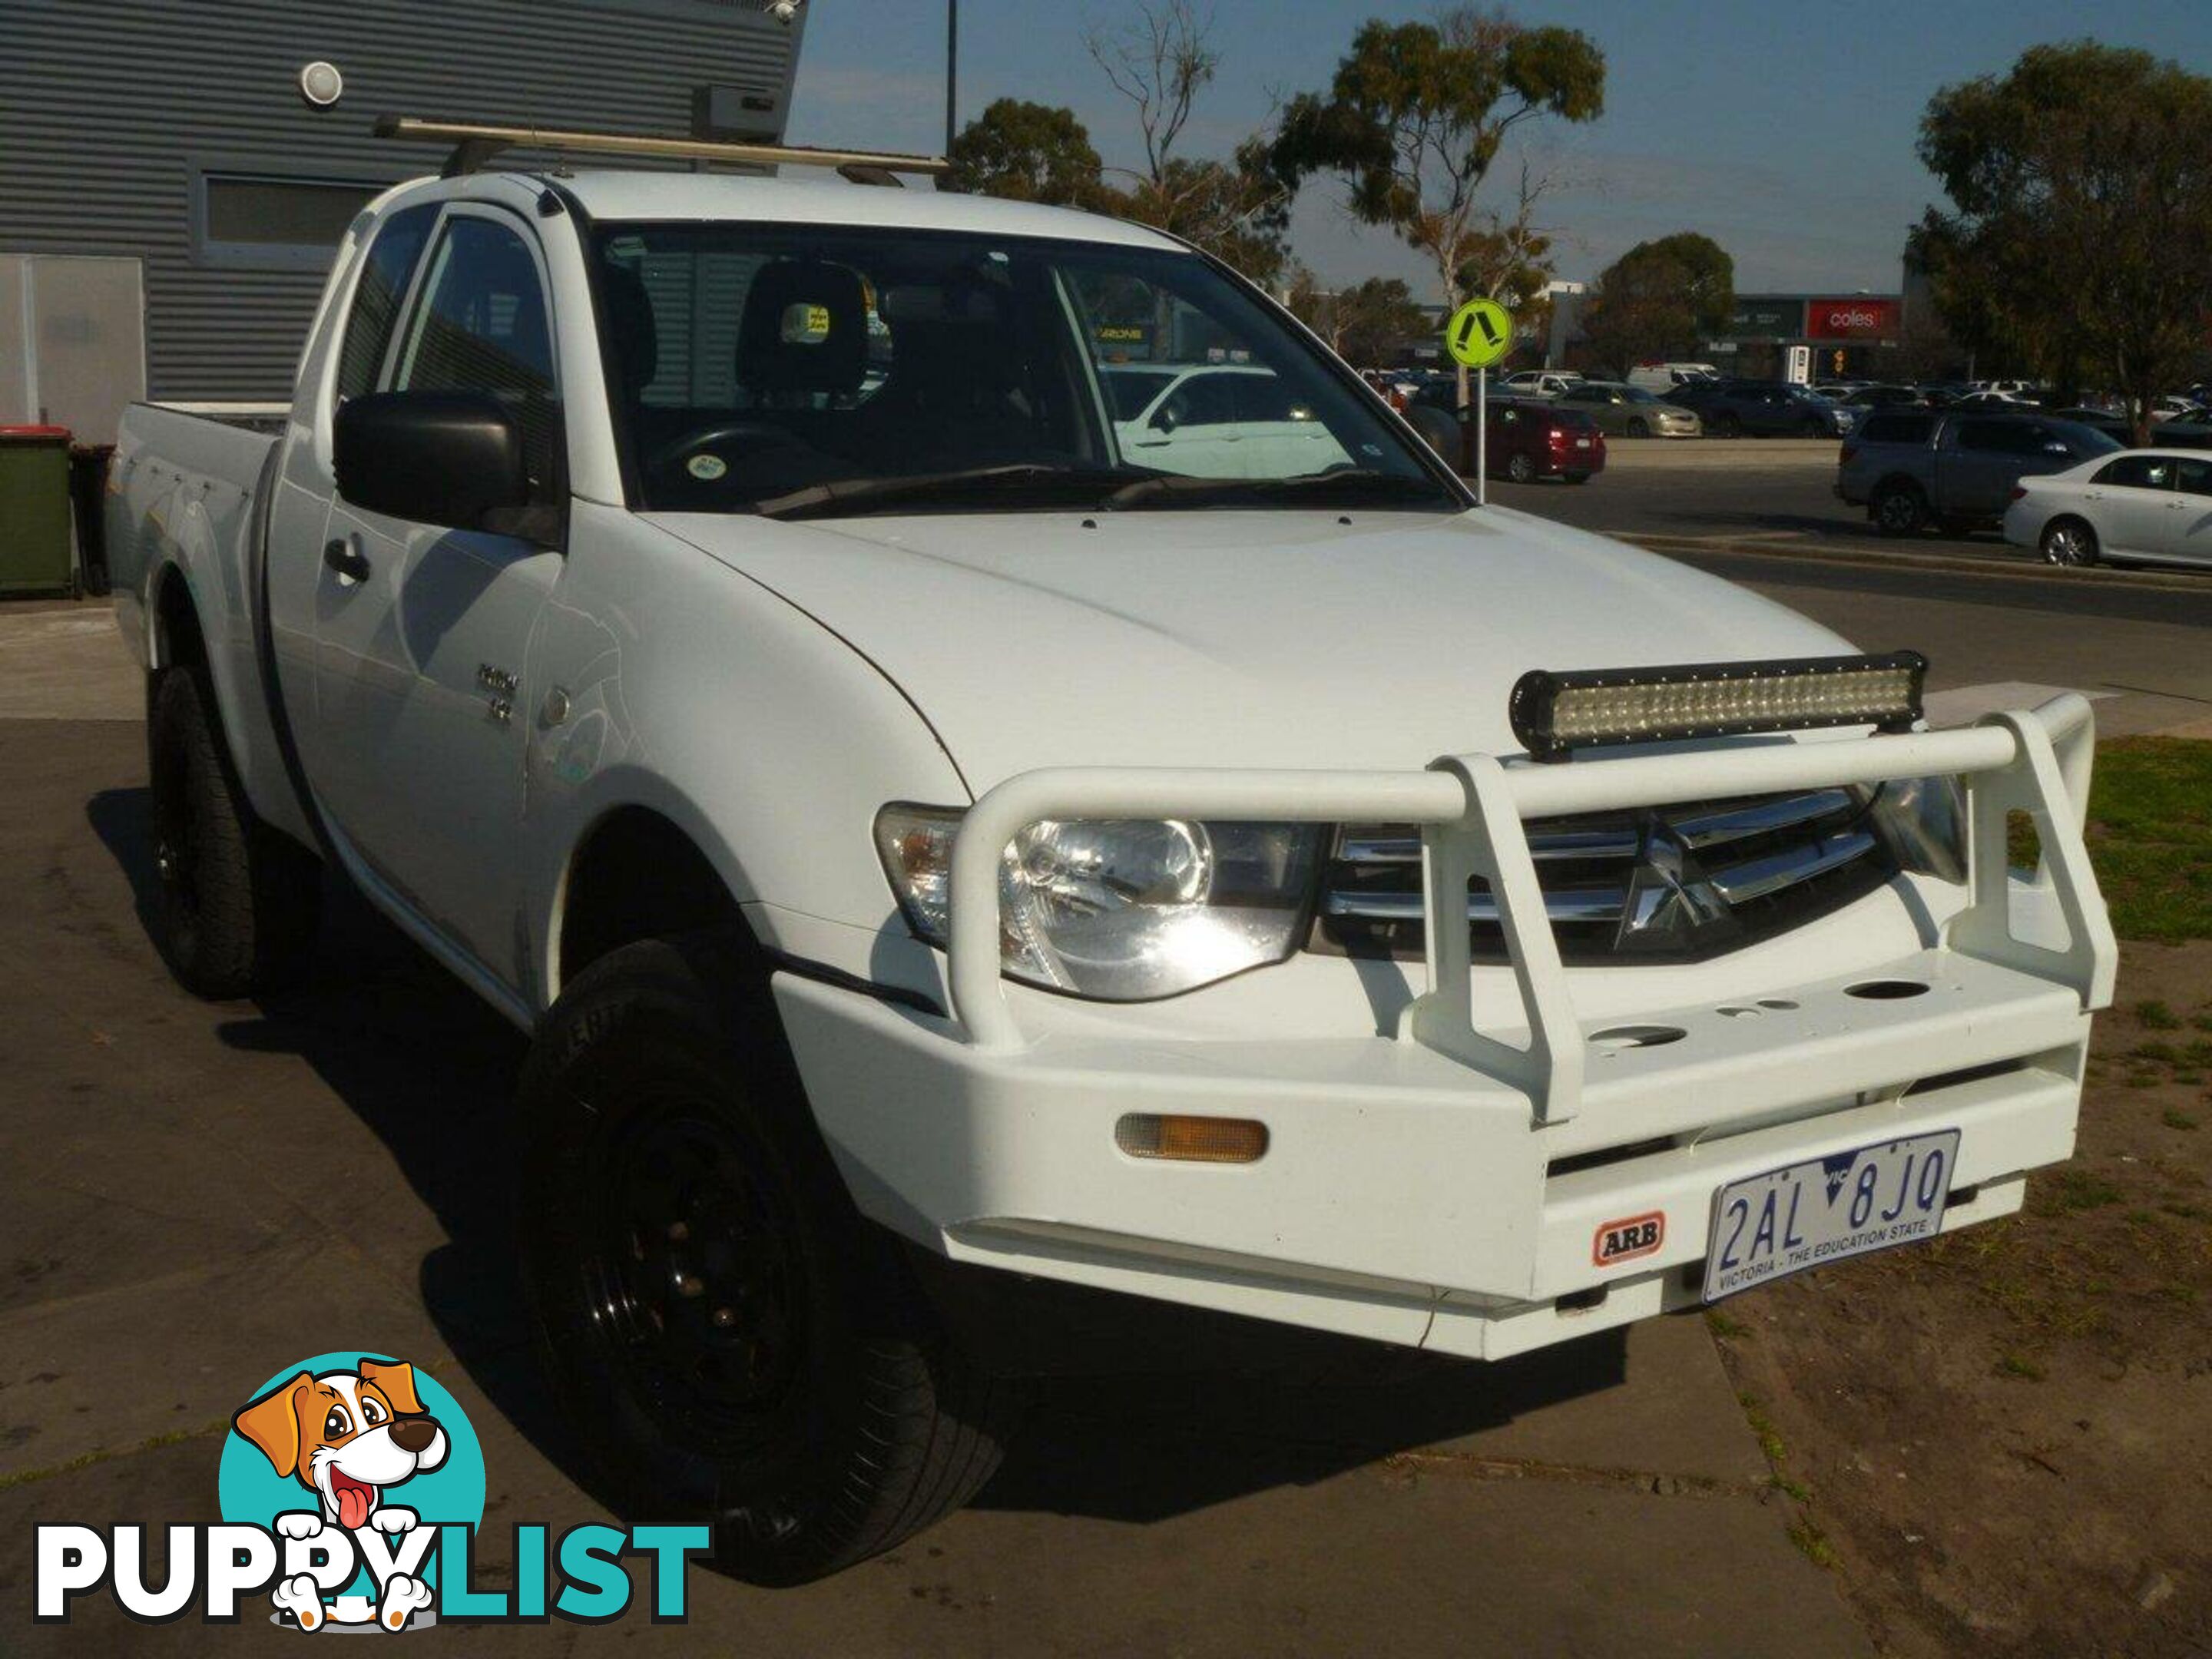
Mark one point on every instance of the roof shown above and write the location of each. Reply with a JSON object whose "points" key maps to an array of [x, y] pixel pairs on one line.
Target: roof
{"points": [[607, 193]]}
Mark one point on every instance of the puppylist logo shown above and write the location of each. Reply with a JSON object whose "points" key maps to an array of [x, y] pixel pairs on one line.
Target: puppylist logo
{"points": [[351, 1489]]}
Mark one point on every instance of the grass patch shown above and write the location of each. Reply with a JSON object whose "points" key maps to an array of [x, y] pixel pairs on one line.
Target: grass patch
{"points": [[2175, 1120], [1811, 1543], [2157, 1016], [2079, 1189], [2020, 1366], [1723, 1326], [2150, 836]]}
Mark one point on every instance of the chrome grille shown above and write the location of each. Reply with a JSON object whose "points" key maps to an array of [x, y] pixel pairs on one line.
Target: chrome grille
{"points": [[1774, 861]]}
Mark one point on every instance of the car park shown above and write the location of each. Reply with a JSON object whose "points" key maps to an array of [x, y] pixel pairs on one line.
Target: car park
{"points": [[2139, 507], [1630, 411], [724, 622], [1763, 409], [1913, 469]]}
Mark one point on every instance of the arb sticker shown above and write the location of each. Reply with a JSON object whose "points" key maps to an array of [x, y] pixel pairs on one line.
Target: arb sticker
{"points": [[1626, 1240]]}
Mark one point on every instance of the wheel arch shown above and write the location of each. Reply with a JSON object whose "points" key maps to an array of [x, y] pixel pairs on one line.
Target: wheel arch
{"points": [[635, 873]]}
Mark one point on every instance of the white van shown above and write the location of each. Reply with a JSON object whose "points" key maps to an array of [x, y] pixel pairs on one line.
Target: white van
{"points": [[1664, 378]]}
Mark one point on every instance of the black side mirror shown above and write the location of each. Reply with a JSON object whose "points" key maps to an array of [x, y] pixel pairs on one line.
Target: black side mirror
{"points": [[441, 458], [1166, 420]]}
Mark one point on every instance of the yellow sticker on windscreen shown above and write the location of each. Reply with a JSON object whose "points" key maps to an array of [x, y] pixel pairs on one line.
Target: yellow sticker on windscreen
{"points": [[706, 468]]}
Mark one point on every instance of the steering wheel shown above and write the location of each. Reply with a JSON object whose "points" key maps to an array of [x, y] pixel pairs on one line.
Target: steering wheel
{"points": [[761, 432]]}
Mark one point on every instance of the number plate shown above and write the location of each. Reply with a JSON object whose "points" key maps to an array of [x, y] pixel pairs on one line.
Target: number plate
{"points": [[1582, 443], [1768, 1226]]}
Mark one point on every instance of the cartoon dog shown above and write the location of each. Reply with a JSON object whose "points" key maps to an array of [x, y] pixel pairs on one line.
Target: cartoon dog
{"points": [[348, 1437]]}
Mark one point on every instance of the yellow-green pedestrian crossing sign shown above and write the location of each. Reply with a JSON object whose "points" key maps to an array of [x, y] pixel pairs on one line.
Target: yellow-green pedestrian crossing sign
{"points": [[1480, 333]]}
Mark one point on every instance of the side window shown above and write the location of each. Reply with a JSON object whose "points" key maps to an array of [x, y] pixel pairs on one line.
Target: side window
{"points": [[1264, 397], [2138, 472], [1204, 400], [376, 297], [1997, 438], [481, 325], [2194, 477]]}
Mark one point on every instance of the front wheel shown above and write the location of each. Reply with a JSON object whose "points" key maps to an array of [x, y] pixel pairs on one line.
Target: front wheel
{"points": [[1639, 428], [237, 903], [731, 1342], [1520, 469], [2069, 542], [1726, 425]]}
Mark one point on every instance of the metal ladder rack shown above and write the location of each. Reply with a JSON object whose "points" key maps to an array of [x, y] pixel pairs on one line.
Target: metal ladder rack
{"points": [[475, 143]]}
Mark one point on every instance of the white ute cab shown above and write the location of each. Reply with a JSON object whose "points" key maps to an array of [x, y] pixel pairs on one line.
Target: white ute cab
{"points": [[953, 858]]}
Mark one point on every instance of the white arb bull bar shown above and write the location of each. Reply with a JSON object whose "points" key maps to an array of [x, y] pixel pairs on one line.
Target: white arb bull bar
{"points": [[1473, 810]]}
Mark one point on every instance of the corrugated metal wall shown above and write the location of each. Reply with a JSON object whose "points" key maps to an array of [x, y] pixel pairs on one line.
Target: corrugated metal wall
{"points": [[106, 110]]}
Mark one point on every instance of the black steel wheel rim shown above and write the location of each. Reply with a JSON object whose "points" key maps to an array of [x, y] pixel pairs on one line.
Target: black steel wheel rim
{"points": [[689, 1282], [176, 837]]}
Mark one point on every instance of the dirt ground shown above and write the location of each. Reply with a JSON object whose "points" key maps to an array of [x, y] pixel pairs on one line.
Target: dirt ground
{"points": [[2003, 1442]]}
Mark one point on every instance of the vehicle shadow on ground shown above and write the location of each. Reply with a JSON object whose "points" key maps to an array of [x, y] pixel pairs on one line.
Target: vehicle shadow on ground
{"points": [[431, 1071]]}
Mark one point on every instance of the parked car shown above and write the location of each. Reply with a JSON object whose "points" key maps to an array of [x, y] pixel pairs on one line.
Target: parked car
{"points": [[1528, 438], [1225, 421], [1765, 409], [2187, 434], [1630, 411], [2141, 505], [1884, 397], [1538, 382], [949, 867], [1664, 378], [1914, 468], [1838, 391]]}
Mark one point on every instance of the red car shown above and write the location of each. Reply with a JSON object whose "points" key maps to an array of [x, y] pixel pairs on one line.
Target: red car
{"points": [[1528, 439]]}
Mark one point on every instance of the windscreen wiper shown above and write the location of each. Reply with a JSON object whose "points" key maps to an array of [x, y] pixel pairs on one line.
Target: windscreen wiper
{"points": [[1032, 480], [1339, 486]]}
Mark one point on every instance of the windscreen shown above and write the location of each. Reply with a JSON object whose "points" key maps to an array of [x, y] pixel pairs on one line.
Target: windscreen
{"points": [[783, 369]]}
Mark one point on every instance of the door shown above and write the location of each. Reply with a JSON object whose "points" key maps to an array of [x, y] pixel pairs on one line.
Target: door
{"points": [[2128, 502], [1981, 458], [420, 706], [2189, 515]]}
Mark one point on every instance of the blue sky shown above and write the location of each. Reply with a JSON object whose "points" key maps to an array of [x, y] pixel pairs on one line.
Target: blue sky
{"points": [[1784, 129]]}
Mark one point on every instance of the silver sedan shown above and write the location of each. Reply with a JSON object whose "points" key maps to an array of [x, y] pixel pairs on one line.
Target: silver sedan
{"points": [[1630, 411]]}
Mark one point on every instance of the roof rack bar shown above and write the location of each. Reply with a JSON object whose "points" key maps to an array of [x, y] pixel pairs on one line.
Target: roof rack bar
{"points": [[475, 143]]}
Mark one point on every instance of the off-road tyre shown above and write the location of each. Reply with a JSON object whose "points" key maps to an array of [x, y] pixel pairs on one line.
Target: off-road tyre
{"points": [[758, 1357]]}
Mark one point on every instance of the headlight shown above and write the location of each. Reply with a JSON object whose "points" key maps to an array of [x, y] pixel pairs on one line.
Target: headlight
{"points": [[1118, 910], [1923, 822]]}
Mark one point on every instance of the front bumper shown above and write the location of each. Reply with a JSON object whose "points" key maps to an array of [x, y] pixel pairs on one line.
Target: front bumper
{"points": [[1444, 1187]]}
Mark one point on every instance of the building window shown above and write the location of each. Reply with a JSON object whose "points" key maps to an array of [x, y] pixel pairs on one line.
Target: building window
{"points": [[270, 222]]}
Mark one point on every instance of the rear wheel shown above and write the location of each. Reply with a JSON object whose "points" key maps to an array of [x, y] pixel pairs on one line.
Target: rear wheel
{"points": [[1520, 468], [1899, 509], [2070, 542], [732, 1343], [238, 901], [1725, 425]]}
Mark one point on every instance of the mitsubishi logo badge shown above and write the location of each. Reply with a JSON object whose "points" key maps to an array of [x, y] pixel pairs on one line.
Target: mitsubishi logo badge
{"points": [[1670, 902]]}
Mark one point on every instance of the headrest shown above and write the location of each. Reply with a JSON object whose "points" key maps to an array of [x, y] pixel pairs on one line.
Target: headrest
{"points": [[630, 316], [776, 355]]}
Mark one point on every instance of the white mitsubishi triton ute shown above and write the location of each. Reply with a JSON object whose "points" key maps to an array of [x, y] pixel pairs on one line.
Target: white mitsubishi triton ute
{"points": [[988, 761]]}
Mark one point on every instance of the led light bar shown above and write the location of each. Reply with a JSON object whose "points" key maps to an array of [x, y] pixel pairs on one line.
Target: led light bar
{"points": [[1554, 713]]}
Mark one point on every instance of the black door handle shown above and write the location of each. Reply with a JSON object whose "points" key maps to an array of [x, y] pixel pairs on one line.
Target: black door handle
{"points": [[342, 556]]}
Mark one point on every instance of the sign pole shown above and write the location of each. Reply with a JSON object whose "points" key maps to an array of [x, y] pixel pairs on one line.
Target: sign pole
{"points": [[1478, 334], [1482, 436]]}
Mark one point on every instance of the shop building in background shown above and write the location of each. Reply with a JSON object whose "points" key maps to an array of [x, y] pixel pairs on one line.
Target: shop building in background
{"points": [[175, 173]]}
